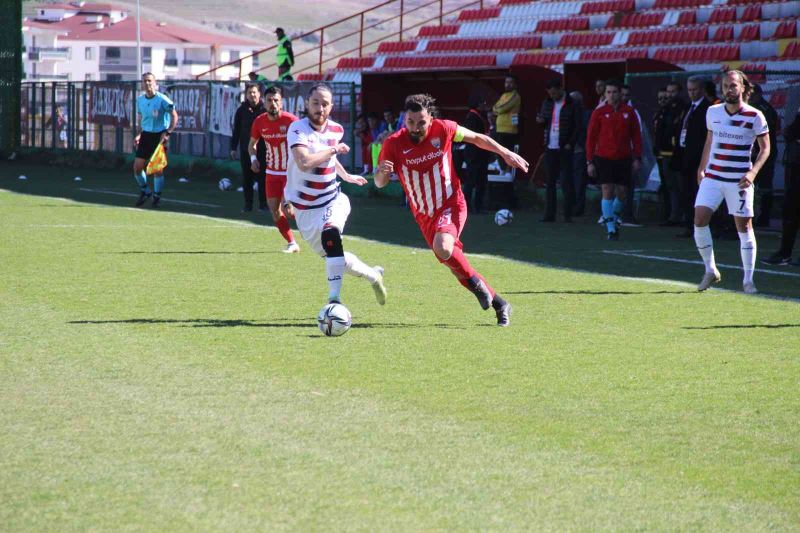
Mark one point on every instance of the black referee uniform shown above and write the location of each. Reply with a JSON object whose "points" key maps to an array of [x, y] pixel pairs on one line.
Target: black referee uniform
{"points": [[240, 138]]}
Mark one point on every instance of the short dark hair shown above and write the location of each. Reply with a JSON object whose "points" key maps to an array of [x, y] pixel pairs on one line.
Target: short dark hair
{"points": [[273, 89], [148, 74], [320, 87], [677, 84], [420, 102], [554, 83], [614, 83], [249, 86]]}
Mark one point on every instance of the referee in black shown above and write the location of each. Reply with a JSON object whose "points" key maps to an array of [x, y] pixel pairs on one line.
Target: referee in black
{"points": [[245, 115]]}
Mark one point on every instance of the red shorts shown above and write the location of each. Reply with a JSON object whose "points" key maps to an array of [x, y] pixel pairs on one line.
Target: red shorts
{"points": [[450, 219], [275, 185]]}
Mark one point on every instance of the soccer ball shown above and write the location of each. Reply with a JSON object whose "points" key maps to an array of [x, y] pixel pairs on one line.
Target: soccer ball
{"points": [[224, 184], [503, 217], [334, 320]]}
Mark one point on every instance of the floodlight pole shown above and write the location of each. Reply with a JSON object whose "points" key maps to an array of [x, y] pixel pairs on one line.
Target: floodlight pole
{"points": [[138, 39]]}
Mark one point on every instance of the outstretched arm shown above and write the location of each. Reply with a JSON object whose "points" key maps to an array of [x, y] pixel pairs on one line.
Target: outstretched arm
{"points": [[487, 143], [349, 178], [307, 161]]}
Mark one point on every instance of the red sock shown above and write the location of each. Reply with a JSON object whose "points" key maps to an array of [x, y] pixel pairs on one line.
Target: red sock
{"points": [[283, 227]]}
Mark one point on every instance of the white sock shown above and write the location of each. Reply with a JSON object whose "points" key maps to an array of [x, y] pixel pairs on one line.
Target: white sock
{"points": [[747, 243], [334, 266], [705, 245], [356, 267]]}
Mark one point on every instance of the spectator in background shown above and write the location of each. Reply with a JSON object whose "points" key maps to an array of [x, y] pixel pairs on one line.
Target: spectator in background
{"points": [[674, 94], [561, 119], [365, 137], [613, 151], [791, 202], [506, 111], [628, 217], [377, 129], [600, 89], [240, 138], [477, 160], [767, 174], [254, 77], [284, 56], [710, 92], [689, 150], [666, 122], [579, 158], [392, 124], [59, 123]]}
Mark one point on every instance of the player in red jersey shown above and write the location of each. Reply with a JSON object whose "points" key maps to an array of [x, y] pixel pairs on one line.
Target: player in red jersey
{"points": [[272, 127], [420, 154]]}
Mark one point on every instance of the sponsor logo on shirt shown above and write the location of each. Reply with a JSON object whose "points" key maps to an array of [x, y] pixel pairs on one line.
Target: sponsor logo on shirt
{"points": [[436, 142], [424, 158]]}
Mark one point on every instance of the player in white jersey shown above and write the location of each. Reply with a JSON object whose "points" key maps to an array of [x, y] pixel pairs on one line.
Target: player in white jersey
{"points": [[727, 173], [321, 209]]}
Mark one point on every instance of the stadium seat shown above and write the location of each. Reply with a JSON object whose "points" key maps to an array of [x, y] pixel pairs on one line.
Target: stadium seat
{"points": [[792, 51], [355, 63], [677, 4], [723, 34], [786, 30], [496, 43], [607, 6], [722, 15], [544, 59], [570, 24], [751, 13], [437, 31], [593, 39], [749, 33], [397, 46], [687, 17], [479, 14]]}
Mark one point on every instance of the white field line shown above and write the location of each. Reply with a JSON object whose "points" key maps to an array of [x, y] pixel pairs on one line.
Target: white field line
{"points": [[696, 262], [117, 193], [413, 249]]}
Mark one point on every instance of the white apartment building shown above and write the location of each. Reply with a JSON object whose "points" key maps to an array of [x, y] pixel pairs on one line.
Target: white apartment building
{"points": [[96, 42]]}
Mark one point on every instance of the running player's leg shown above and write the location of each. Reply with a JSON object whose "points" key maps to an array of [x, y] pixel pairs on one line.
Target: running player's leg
{"points": [[740, 205], [709, 196], [274, 186]]}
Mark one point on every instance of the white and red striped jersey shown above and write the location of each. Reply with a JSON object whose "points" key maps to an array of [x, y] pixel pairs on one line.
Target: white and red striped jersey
{"points": [[733, 139], [426, 169], [308, 190], [274, 134]]}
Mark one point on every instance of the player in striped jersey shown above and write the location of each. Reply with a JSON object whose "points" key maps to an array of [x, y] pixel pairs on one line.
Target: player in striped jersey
{"points": [[321, 210], [273, 127], [421, 155], [727, 173]]}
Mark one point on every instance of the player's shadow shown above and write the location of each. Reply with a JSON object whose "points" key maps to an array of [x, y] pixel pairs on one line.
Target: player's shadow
{"points": [[191, 252], [233, 323], [744, 326], [598, 293]]}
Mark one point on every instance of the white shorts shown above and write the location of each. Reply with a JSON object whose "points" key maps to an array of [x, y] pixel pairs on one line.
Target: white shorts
{"points": [[712, 192], [311, 222]]}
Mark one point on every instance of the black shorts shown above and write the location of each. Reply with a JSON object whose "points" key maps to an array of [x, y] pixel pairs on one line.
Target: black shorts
{"points": [[613, 171], [148, 142]]}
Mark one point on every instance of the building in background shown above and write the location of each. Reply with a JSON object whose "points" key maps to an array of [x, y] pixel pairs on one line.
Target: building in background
{"points": [[97, 42]]}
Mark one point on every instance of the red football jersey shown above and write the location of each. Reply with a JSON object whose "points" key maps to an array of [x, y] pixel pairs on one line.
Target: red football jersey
{"points": [[426, 169], [274, 134]]}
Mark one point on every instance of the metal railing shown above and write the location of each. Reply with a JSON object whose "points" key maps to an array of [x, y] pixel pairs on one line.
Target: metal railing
{"points": [[365, 42]]}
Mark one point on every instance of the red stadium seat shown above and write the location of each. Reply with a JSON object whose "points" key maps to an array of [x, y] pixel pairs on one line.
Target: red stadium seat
{"points": [[541, 59], [479, 14], [786, 30], [721, 15], [751, 13], [677, 4], [687, 17], [750, 33], [438, 31], [723, 34], [355, 63], [792, 51], [398, 46]]}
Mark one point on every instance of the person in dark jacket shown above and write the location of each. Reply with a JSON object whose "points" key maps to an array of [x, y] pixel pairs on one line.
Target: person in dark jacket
{"points": [[666, 123], [561, 119], [242, 122], [767, 174], [579, 159], [476, 179], [791, 202], [689, 149]]}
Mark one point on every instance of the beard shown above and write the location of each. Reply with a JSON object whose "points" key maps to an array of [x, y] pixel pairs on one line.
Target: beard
{"points": [[731, 99], [416, 138], [316, 119], [273, 112]]}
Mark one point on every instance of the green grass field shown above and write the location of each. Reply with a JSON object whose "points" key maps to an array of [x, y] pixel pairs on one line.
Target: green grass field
{"points": [[162, 371]]}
